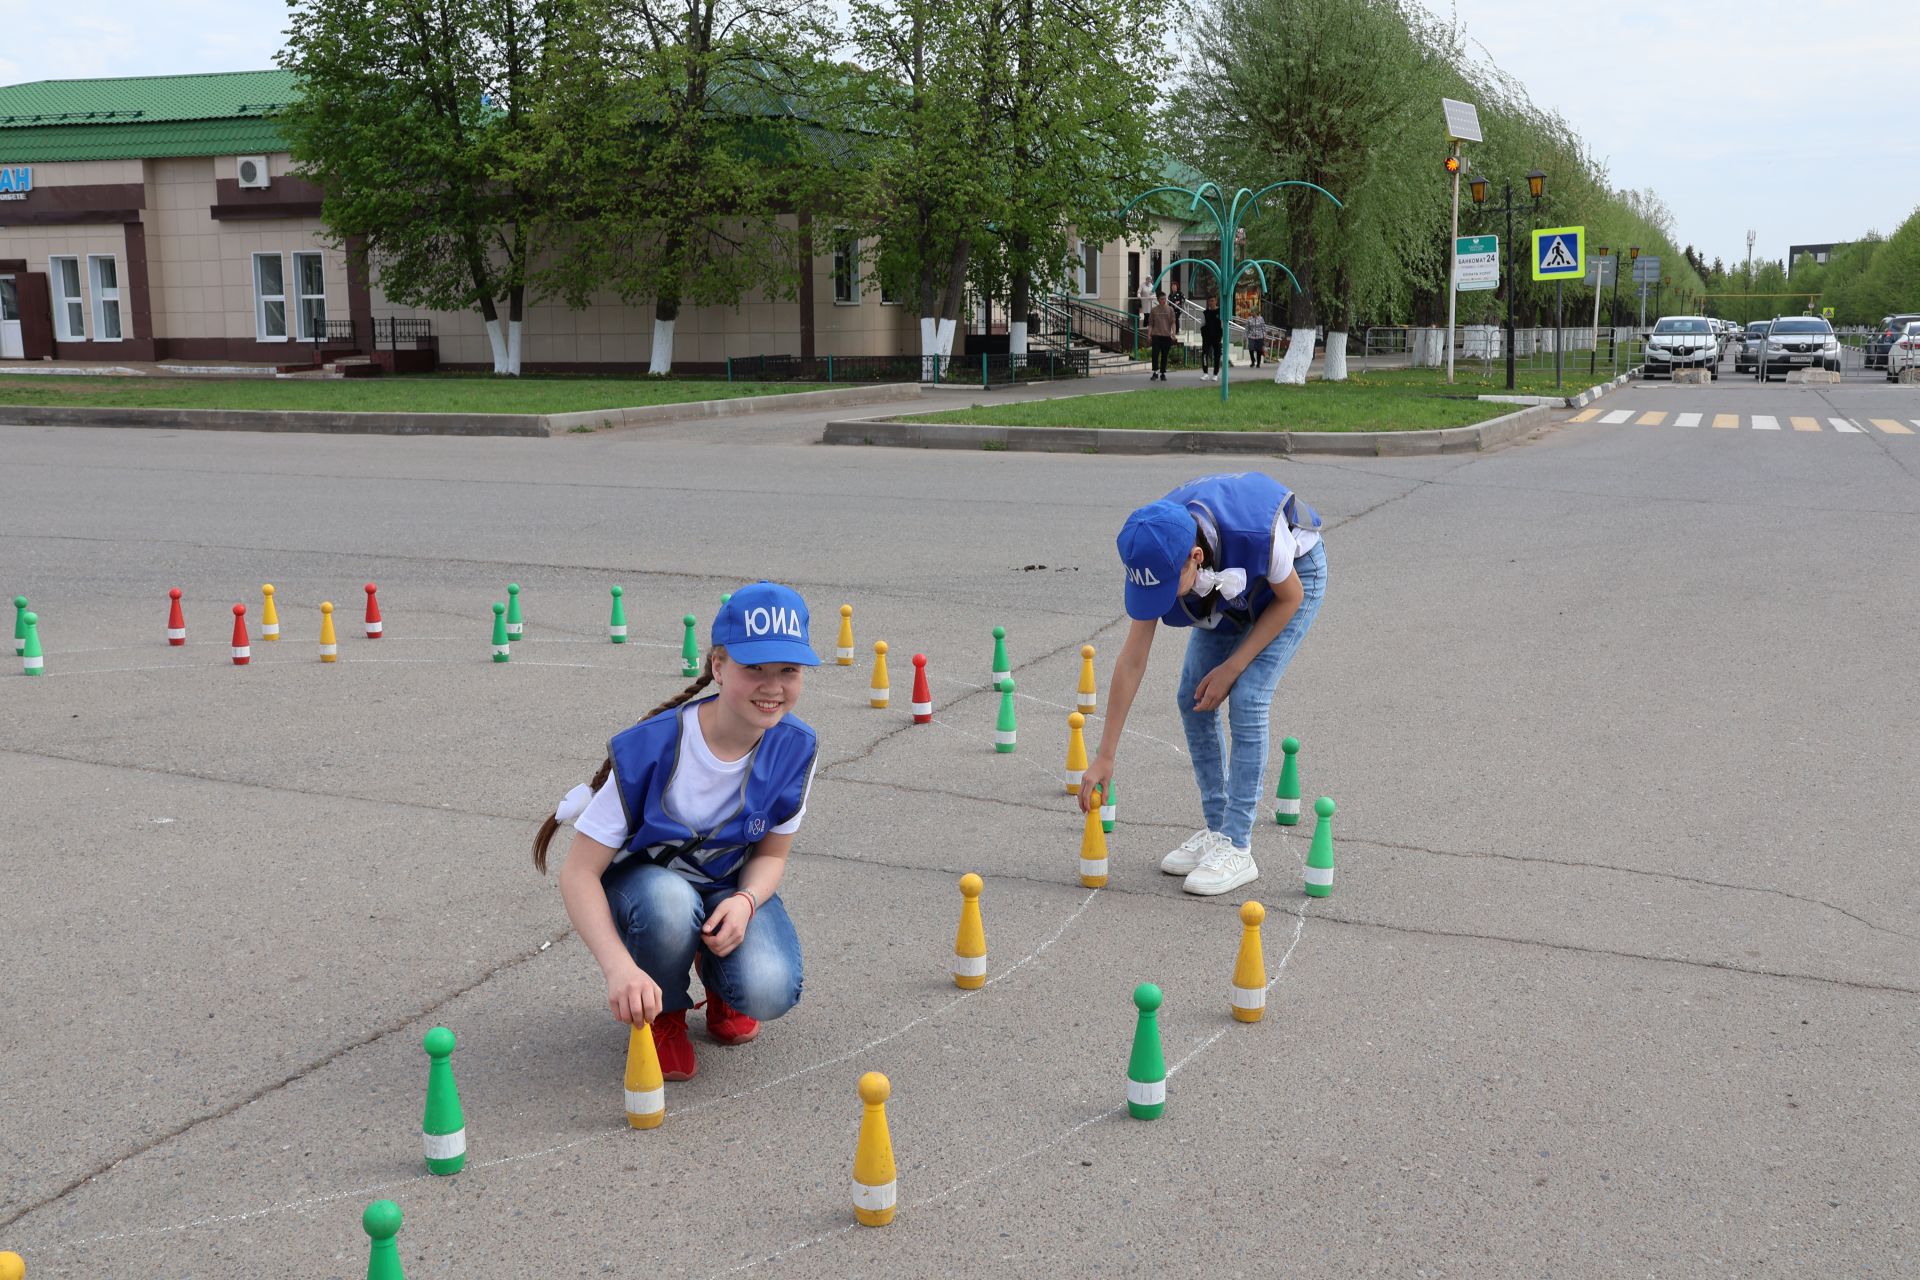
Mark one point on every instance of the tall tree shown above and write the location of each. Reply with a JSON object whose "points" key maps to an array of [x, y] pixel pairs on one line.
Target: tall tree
{"points": [[408, 116], [676, 141]]}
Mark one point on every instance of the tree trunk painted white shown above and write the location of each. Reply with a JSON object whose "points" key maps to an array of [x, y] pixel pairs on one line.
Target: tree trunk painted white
{"points": [[1336, 366], [1429, 347], [936, 340], [498, 344], [660, 362], [1017, 340], [1292, 369], [513, 347]]}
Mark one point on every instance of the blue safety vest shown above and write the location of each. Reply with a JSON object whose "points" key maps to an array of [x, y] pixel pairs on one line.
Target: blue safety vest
{"points": [[772, 790], [1245, 509]]}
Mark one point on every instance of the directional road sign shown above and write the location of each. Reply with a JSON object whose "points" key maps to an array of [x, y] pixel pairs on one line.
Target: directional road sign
{"points": [[1559, 253], [1600, 271], [1646, 269], [1478, 262]]}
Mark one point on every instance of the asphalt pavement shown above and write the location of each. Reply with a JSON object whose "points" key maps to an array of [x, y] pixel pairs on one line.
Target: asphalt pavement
{"points": [[1618, 976]]}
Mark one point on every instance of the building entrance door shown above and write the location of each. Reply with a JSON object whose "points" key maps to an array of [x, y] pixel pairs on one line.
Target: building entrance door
{"points": [[10, 345]]}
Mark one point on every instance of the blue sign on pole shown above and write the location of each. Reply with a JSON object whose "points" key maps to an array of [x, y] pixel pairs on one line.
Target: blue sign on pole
{"points": [[1559, 253]]}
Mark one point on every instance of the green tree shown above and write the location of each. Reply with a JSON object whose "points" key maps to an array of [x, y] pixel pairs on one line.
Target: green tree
{"points": [[408, 116], [676, 136]]}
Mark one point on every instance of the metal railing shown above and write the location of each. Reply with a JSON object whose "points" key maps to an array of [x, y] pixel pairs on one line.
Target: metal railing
{"points": [[395, 330], [996, 370]]}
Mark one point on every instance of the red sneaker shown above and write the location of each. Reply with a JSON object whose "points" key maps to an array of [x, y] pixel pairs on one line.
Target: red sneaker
{"points": [[670, 1043], [727, 1024]]}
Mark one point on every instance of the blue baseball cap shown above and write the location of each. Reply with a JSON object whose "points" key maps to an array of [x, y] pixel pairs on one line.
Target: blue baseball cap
{"points": [[764, 622], [1155, 543]]}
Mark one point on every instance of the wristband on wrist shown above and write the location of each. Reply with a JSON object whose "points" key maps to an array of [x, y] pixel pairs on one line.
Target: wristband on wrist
{"points": [[753, 904]]}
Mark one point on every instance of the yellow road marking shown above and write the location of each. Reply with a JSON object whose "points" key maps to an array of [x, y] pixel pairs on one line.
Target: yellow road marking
{"points": [[1726, 419], [1586, 415], [1891, 427], [1804, 424], [1651, 418]]}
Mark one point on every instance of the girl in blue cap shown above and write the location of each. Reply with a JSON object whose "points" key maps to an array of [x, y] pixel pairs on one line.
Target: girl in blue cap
{"points": [[681, 839], [1237, 560]]}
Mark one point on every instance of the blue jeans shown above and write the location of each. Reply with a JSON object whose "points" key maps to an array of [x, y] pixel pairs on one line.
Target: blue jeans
{"points": [[1230, 792], [659, 914]]}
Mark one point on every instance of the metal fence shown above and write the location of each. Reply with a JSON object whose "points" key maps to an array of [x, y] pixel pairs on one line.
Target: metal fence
{"points": [[1483, 348]]}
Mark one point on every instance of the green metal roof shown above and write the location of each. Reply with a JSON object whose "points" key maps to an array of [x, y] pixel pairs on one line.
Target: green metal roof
{"points": [[142, 117]]}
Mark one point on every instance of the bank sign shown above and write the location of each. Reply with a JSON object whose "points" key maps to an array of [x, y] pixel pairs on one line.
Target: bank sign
{"points": [[15, 181]]}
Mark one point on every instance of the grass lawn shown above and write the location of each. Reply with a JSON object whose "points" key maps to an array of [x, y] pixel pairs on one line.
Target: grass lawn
{"points": [[426, 393], [1259, 406]]}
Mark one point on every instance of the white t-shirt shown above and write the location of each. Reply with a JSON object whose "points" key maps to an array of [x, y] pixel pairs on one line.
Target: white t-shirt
{"points": [[1288, 545], [703, 791]]}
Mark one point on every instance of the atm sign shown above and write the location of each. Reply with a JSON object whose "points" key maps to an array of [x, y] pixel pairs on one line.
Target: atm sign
{"points": [[15, 181]]}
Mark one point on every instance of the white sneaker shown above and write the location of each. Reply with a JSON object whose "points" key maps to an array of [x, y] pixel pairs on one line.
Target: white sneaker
{"points": [[1189, 855], [1224, 867]]}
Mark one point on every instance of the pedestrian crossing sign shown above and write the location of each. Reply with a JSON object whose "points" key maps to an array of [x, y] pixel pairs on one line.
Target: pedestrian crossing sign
{"points": [[1560, 253]]}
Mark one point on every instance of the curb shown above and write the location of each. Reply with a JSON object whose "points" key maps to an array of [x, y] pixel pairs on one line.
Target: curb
{"points": [[1579, 401], [445, 424], [1371, 444]]}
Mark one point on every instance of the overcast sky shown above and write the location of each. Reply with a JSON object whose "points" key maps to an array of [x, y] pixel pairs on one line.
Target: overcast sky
{"points": [[1782, 116]]}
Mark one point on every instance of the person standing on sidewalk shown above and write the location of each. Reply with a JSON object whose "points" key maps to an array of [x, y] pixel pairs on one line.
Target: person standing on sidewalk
{"points": [[1162, 323], [1210, 338], [1256, 337], [1238, 560]]}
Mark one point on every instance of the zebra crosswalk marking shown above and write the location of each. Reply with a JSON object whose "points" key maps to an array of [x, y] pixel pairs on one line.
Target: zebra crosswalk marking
{"points": [[1618, 415], [1841, 424], [1732, 420], [1761, 422], [1891, 426], [1804, 424], [1586, 415], [1651, 418], [1687, 420]]}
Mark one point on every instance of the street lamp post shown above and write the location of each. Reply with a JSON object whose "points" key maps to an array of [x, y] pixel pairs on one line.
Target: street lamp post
{"points": [[1227, 271], [1593, 355], [1536, 187]]}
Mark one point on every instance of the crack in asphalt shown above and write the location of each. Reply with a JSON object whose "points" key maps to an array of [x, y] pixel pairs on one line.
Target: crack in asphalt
{"points": [[207, 1117], [1351, 839]]}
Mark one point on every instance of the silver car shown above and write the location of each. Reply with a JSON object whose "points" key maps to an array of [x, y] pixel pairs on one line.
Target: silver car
{"points": [[1682, 342], [1798, 342]]}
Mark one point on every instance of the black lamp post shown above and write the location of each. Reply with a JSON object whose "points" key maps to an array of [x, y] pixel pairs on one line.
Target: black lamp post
{"points": [[1536, 187]]}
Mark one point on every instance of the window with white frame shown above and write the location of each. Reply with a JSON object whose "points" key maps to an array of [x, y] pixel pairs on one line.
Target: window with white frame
{"points": [[69, 308], [269, 297], [1089, 270], [846, 267], [889, 295], [104, 274], [310, 289]]}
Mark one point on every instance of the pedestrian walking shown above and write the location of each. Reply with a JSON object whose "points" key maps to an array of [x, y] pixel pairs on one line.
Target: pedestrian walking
{"points": [[1256, 338], [1162, 323], [1210, 338]]}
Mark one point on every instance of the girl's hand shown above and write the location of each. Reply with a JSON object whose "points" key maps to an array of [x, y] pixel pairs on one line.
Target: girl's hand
{"points": [[1215, 686], [1094, 781], [633, 996], [727, 925]]}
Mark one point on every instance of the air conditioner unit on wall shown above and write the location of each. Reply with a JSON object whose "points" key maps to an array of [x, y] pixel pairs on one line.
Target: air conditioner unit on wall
{"points": [[252, 172]]}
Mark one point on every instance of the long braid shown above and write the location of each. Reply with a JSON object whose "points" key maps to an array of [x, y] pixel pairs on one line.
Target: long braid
{"points": [[544, 836]]}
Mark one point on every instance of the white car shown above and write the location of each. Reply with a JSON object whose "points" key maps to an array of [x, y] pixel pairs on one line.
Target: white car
{"points": [[1905, 352], [1798, 342], [1682, 342]]}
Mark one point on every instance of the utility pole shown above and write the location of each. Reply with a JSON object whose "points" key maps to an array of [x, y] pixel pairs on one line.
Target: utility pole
{"points": [[1746, 304]]}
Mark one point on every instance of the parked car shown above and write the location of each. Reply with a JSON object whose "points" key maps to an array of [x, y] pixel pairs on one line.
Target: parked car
{"points": [[1891, 327], [1798, 342], [1682, 342], [1747, 353], [1904, 354]]}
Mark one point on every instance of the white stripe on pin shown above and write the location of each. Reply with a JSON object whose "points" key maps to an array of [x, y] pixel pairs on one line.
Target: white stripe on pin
{"points": [[1146, 1092], [969, 966], [1319, 875], [620, 630], [1073, 778], [242, 651], [500, 649], [445, 1146], [1093, 866], [374, 628], [874, 1199], [513, 630], [1249, 998], [1288, 806], [328, 650], [33, 664], [270, 631], [1106, 813], [646, 1102], [176, 633], [1088, 700], [843, 653], [923, 708], [1004, 737]]}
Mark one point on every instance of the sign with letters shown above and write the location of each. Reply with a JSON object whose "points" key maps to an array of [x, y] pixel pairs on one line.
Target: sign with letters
{"points": [[1478, 262], [15, 181]]}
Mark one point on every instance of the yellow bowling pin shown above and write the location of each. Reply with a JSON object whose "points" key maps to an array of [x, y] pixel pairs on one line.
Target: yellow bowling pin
{"points": [[1076, 752], [1089, 698], [970, 945], [1093, 851], [874, 1189], [878, 695], [329, 645], [843, 648], [269, 616], [1250, 969], [12, 1266], [646, 1089]]}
